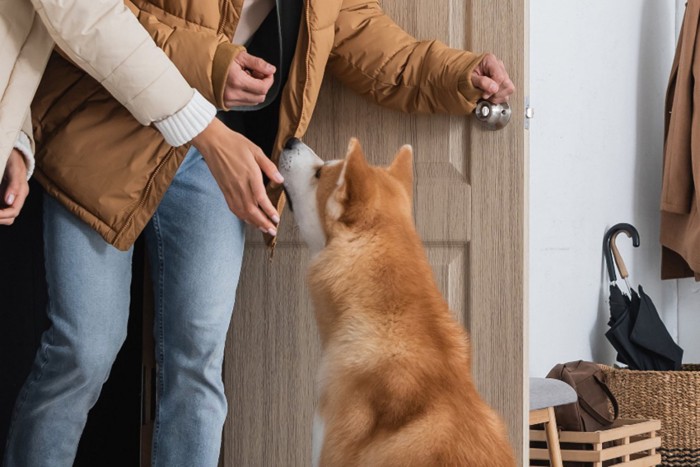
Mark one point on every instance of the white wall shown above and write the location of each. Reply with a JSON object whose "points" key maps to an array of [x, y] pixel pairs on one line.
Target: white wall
{"points": [[598, 74]]}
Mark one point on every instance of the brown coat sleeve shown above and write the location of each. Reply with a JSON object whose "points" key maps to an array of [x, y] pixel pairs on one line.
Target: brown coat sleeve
{"points": [[375, 57], [203, 57]]}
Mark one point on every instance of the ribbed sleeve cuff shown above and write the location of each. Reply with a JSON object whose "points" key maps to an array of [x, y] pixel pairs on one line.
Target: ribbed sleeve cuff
{"points": [[24, 146], [187, 122]]}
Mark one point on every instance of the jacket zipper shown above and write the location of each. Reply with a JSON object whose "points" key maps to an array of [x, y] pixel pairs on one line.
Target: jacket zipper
{"points": [[224, 16], [307, 63], [146, 192]]}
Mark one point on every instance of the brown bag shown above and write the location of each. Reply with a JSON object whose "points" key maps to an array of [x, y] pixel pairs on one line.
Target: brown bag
{"points": [[591, 412]]}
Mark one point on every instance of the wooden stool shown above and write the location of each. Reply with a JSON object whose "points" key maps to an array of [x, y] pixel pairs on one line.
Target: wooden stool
{"points": [[545, 394]]}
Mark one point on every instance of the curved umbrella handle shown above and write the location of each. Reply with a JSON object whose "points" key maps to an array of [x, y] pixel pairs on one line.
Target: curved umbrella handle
{"points": [[616, 253], [609, 246]]}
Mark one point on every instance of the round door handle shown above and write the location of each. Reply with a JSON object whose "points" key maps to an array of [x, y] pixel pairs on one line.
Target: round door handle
{"points": [[492, 116]]}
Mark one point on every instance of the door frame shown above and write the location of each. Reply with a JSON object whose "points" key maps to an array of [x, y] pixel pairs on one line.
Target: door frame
{"points": [[498, 318]]}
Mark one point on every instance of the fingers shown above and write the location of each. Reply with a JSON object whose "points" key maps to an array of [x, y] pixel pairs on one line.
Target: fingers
{"points": [[256, 65], [13, 197], [506, 89], [244, 88], [492, 78], [249, 84], [271, 171], [246, 91], [268, 167], [246, 201], [254, 74], [15, 189], [8, 215], [497, 71], [263, 213], [254, 206], [486, 84]]}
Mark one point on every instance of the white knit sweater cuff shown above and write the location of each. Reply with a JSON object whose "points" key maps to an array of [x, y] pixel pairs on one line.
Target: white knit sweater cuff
{"points": [[187, 122], [24, 146]]}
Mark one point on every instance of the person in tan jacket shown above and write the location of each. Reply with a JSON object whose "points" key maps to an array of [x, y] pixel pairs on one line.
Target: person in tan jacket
{"points": [[109, 179]]}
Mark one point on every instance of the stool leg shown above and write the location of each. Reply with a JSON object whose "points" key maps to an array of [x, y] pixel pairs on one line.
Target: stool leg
{"points": [[553, 439]]}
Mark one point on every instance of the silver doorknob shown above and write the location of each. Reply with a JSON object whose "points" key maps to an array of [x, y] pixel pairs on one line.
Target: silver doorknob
{"points": [[492, 116]]}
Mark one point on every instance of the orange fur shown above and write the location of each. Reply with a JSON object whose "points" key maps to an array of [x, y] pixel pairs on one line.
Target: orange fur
{"points": [[395, 379]]}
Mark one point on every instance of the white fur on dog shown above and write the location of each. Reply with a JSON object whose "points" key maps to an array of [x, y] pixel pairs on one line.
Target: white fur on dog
{"points": [[300, 183]]}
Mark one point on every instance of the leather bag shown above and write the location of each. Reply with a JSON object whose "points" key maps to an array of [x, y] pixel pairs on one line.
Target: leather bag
{"points": [[592, 411]]}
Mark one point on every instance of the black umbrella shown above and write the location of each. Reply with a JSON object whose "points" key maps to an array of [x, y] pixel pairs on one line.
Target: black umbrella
{"points": [[636, 330]]}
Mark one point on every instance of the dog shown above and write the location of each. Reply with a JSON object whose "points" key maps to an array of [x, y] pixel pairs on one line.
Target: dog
{"points": [[395, 378]]}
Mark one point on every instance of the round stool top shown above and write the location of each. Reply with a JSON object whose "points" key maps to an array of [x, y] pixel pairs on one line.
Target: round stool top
{"points": [[548, 392]]}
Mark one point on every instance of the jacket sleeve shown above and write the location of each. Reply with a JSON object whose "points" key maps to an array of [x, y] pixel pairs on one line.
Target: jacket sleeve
{"points": [[375, 57], [202, 56], [104, 39], [25, 144], [24, 51]]}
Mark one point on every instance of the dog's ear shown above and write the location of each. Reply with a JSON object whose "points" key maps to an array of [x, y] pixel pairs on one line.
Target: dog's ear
{"points": [[402, 168], [354, 183]]}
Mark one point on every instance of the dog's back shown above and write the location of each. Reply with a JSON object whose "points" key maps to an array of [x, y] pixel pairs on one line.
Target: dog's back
{"points": [[396, 379]]}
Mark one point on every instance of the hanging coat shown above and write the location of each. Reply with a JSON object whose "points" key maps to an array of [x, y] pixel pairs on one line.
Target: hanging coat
{"points": [[680, 218]]}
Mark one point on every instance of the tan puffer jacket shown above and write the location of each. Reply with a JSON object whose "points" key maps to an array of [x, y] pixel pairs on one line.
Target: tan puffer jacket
{"points": [[111, 172], [137, 72]]}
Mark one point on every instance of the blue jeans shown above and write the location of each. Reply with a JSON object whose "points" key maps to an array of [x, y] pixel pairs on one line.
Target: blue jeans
{"points": [[195, 248]]}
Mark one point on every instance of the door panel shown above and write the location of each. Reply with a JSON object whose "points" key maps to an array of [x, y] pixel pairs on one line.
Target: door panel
{"points": [[469, 209], [271, 359]]}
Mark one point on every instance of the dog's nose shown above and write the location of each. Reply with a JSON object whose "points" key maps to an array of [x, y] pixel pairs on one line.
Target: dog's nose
{"points": [[291, 142]]}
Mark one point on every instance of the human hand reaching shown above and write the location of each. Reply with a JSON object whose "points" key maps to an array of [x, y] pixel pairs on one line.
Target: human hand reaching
{"points": [[237, 165], [249, 80], [13, 188], [491, 78]]}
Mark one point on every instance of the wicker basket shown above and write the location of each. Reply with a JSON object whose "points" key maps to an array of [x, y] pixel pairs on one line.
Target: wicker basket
{"points": [[670, 396]]}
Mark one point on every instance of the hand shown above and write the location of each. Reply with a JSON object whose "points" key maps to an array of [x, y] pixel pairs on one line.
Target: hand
{"points": [[490, 76], [13, 188], [249, 79], [236, 163]]}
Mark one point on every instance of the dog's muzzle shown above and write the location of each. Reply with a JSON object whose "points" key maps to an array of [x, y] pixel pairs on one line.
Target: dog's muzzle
{"points": [[289, 146]]}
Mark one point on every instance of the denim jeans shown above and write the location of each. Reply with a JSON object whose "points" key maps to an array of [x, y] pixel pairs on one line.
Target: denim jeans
{"points": [[195, 248]]}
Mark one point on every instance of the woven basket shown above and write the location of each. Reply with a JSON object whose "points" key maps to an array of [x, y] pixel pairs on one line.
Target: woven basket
{"points": [[670, 396]]}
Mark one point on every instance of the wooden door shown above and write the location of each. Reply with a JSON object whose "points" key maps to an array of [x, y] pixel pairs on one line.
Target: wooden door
{"points": [[470, 212]]}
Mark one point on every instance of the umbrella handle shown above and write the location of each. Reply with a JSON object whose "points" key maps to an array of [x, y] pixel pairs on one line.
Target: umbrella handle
{"points": [[609, 246], [618, 257]]}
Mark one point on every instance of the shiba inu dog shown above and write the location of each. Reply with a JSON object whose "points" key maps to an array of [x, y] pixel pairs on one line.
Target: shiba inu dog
{"points": [[395, 377]]}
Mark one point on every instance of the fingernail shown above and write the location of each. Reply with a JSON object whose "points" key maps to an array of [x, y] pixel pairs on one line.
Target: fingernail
{"points": [[10, 199], [272, 231], [493, 88], [278, 177], [276, 219]]}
